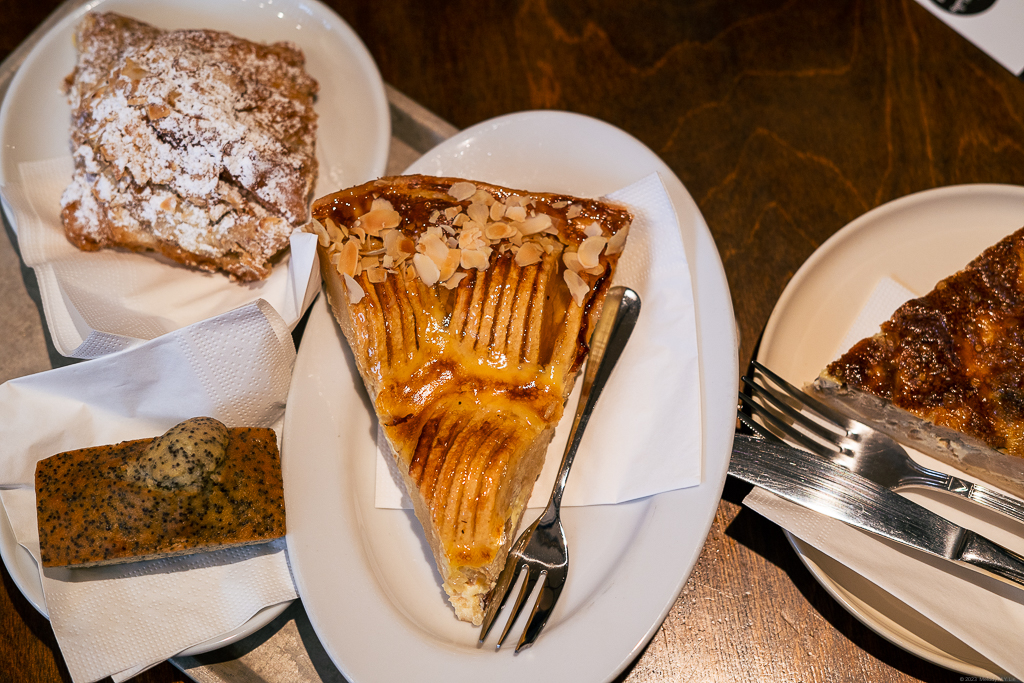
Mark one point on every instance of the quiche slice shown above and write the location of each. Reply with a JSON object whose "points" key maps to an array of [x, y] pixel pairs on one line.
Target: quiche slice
{"points": [[945, 374], [468, 308]]}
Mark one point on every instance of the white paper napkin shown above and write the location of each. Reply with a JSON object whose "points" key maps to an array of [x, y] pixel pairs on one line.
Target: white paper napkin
{"points": [[985, 614], [120, 619], [645, 434], [97, 303]]}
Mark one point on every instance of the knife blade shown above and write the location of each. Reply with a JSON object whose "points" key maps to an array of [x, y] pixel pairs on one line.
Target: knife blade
{"points": [[820, 485]]}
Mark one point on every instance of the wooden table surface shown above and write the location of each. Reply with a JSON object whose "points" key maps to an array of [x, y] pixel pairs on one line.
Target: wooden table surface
{"points": [[785, 120]]}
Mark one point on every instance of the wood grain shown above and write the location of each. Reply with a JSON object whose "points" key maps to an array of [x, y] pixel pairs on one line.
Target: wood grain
{"points": [[785, 120]]}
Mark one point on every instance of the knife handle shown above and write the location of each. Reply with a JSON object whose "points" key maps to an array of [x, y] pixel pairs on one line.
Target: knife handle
{"points": [[981, 553]]}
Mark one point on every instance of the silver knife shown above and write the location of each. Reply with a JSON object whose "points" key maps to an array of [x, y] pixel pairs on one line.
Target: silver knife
{"points": [[832, 490]]}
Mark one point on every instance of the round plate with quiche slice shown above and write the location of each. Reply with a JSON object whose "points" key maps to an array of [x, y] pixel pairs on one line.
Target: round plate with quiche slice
{"points": [[916, 241]]}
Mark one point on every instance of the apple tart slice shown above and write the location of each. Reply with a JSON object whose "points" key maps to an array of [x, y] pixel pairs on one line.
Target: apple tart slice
{"points": [[468, 308]]}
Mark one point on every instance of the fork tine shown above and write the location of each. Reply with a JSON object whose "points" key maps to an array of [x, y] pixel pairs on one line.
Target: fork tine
{"points": [[816, 428], [795, 434], [805, 398], [529, 581], [506, 580], [756, 427], [546, 599]]}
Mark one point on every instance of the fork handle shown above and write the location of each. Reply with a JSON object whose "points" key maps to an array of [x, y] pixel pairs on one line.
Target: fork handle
{"points": [[618, 318], [984, 496], [1011, 507]]}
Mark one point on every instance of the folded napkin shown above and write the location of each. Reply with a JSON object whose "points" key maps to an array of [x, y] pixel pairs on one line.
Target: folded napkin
{"points": [[120, 619], [97, 303], [985, 614], [645, 434]]}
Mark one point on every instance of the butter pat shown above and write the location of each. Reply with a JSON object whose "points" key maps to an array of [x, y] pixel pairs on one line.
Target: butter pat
{"points": [[183, 457]]}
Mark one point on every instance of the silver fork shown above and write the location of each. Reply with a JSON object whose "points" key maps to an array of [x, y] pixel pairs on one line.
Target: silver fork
{"points": [[855, 445], [541, 550]]}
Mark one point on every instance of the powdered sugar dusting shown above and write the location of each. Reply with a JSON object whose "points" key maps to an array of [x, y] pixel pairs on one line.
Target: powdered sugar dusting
{"points": [[194, 143]]}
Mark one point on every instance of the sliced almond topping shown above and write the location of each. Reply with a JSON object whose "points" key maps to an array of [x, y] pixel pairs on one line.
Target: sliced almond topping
{"points": [[617, 241], [515, 213], [157, 111], [572, 261], [596, 270], [528, 254], [535, 224], [497, 211], [560, 204], [348, 258], [451, 263], [573, 211], [369, 262], [593, 229], [318, 229], [379, 219], [426, 269], [355, 292], [434, 216], [589, 252], [434, 248], [336, 232], [133, 71], [478, 212], [577, 286], [472, 237], [476, 258], [452, 211], [460, 220], [376, 275], [499, 231], [390, 240], [483, 197], [462, 190], [454, 280]]}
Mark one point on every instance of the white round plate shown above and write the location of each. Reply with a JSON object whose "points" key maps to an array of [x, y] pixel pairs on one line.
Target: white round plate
{"points": [[916, 240], [152, 296], [355, 125], [352, 142], [366, 575]]}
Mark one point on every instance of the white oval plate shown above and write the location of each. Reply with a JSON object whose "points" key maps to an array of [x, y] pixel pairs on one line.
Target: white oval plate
{"points": [[366, 575], [353, 140], [917, 240]]}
